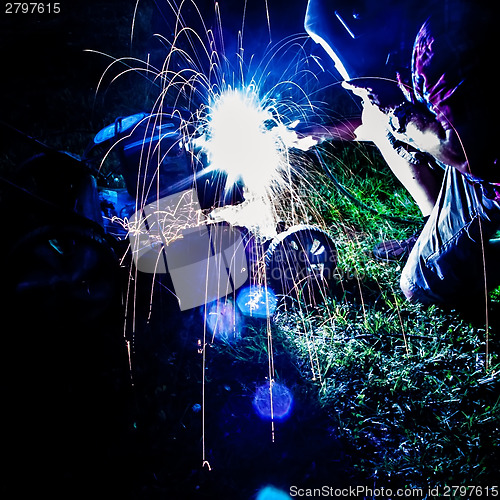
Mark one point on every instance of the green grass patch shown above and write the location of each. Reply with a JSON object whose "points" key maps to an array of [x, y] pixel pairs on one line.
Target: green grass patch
{"points": [[407, 387]]}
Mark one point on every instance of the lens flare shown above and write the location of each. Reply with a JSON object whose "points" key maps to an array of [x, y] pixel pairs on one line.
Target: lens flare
{"points": [[272, 493], [273, 401], [257, 301], [224, 321]]}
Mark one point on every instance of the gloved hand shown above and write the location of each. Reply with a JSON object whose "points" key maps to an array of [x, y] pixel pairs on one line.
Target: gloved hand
{"points": [[389, 117]]}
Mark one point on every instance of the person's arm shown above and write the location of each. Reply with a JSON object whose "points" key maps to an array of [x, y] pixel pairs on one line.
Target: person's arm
{"points": [[340, 131], [408, 164]]}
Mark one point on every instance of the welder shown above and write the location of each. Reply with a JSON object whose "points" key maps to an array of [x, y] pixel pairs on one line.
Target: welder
{"points": [[423, 73]]}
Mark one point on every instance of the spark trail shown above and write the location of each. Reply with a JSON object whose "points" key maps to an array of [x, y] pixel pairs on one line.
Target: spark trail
{"points": [[236, 121]]}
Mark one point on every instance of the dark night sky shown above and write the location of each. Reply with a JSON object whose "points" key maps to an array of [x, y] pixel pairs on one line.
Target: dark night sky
{"points": [[48, 81], [48, 90], [44, 59]]}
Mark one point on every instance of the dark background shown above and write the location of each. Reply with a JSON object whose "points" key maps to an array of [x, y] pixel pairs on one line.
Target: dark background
{"points": [[72, 424], [49, 81]]}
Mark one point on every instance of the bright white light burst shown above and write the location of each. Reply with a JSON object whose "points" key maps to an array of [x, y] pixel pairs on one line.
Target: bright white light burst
{"points": [[247, 139]]}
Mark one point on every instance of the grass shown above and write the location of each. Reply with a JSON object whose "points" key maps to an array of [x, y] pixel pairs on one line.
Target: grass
{"points": [[416, 407], [407, 386]]}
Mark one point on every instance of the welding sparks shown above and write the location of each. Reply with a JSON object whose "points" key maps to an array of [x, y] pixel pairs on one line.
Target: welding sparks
{"points": [[243, 133], [247, 139], [239, 142]]}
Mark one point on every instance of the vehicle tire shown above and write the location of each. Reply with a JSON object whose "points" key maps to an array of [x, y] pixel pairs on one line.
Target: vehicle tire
{"points": [[300, 263]]}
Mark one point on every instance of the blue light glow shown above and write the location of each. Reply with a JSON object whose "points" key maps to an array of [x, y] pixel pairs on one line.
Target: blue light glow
{"points": [[119, 127], [257, 301], [272, 493], [339, 65], [248, 138], [273, 401], [223, 320]]}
